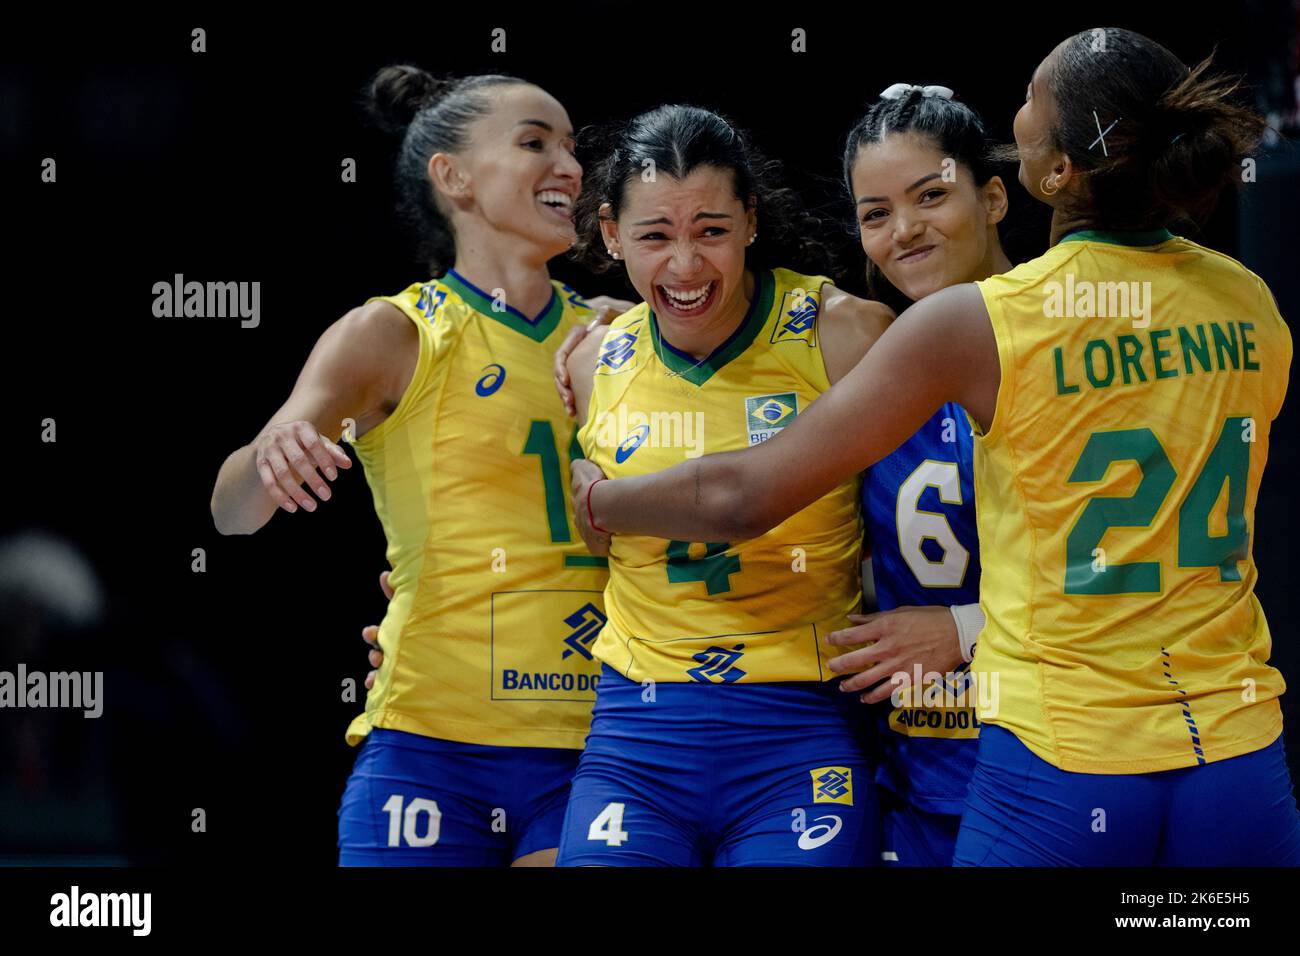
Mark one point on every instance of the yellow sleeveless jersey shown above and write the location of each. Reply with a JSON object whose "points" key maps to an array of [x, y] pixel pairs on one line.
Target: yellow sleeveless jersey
{"points": [[719, 612], [488, 637], [1116, 493]]}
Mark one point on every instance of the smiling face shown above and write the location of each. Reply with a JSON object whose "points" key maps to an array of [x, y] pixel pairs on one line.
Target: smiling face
{"points": [[922, 232], [1040, 160], [517, 175], [683, 242]]}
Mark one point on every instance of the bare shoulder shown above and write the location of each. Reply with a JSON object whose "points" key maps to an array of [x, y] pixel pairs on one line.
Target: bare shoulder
{"points": [[848, 326], [582, 369], [844, 308], [376, 324], [374, 348]]}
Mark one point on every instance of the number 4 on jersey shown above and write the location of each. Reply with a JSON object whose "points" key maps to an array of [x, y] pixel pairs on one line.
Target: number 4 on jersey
{"points": [[608, 826], [714, 569]]}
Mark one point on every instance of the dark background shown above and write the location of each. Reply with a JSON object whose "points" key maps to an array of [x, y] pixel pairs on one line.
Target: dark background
{"points": [[223, 687]]}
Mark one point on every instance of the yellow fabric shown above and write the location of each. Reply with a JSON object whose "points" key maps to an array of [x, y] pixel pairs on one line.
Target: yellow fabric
{"points": [[1124, 636], [720, 612], [487, 638]]}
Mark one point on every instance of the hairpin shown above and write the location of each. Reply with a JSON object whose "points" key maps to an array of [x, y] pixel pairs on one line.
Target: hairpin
{"points": [[899, 90]]}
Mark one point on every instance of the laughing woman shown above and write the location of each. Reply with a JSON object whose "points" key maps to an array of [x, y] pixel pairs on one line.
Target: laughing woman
{"points": [[718, 737], [921, 173]]}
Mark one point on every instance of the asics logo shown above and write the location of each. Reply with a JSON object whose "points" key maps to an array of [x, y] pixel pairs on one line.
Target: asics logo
{"points": [[631, 443], [575, 300], [821, 834], [489, 383]]}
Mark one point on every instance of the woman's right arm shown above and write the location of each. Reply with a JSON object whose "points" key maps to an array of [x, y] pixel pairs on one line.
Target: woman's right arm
{"points": [[358, 369]]}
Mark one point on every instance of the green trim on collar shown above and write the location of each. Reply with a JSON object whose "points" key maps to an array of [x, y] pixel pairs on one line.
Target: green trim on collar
{"points": [[698, 373], [537, 329], [1116, 237]]}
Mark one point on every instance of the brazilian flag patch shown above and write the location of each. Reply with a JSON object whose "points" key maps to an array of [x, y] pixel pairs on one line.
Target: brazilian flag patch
{"points": [[765, 415]]}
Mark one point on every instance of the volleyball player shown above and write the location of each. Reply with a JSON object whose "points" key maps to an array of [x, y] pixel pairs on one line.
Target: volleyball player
{"points": [[921, 173], [472, 728], [717, 737]]}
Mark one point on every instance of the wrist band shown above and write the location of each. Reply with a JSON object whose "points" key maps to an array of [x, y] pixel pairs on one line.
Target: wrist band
{"points": [[591, 520], [970, 621]]}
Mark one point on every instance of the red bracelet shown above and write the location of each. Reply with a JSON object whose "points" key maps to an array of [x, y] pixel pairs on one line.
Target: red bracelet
{"points": [[590, 520]]}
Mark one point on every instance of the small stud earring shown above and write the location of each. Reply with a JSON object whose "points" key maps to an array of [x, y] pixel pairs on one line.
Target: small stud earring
{"points": [[752, 238]]}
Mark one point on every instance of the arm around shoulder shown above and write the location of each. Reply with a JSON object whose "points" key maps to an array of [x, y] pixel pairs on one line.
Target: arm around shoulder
{"points": [[942, 349]]}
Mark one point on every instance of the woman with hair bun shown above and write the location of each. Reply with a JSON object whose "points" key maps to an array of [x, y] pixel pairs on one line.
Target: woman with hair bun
{"points": [[473, 726], [1122, 387]]}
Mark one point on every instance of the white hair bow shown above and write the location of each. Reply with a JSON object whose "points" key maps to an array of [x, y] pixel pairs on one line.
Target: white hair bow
{"points": [[899, 90]]}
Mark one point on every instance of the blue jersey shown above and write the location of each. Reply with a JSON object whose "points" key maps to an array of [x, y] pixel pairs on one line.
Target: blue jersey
{"points": [[918, 506]]}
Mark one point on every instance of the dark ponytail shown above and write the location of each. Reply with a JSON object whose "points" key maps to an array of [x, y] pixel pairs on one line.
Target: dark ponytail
{"points": [[430, 115], [1173, 138], [678, 140]]}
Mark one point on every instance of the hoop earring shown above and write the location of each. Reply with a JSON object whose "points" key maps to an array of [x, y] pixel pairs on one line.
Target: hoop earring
{"points": [[1042, 185]]}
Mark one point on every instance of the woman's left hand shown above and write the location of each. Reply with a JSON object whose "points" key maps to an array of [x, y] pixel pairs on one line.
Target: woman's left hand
{"points": [[607, 309], [899, 640]]}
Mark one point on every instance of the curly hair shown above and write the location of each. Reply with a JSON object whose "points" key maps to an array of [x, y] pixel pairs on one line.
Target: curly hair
{"points": [[675, 140]]}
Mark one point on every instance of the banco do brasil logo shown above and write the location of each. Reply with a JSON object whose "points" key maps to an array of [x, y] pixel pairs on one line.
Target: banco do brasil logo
{"points": [[718, 665]]}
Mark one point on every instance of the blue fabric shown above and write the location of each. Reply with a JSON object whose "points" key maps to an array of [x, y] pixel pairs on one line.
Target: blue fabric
{"points": [[930, 772], [913, 837], [494, 804], [687, 774], [1022, 811]]}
